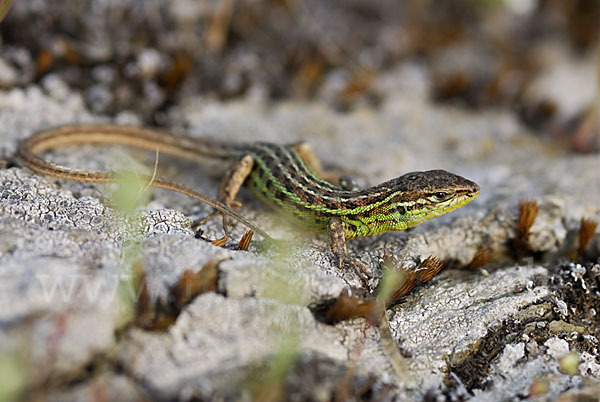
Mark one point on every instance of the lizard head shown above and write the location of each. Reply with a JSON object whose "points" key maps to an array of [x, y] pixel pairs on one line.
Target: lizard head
{"points": [[412, 199], [425, 195]]}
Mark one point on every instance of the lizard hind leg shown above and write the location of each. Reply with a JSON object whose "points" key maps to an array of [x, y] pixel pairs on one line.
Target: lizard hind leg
{"points": [[230, 186], [309, 156]]}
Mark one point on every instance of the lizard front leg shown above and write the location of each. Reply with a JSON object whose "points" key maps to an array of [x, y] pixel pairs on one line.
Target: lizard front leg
{"points": [[337, 242]]}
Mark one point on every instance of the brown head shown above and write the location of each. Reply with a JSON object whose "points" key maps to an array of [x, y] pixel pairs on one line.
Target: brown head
{"points": [[414, 198]]}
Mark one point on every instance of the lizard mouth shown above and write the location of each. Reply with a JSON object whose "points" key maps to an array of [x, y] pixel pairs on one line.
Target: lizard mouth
{"points": [[473, 192]]}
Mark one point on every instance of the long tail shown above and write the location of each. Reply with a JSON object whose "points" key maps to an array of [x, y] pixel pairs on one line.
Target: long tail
{"points": [[133, 136]]}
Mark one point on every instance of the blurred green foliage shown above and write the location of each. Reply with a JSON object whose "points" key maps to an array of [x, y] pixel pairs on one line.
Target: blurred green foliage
{"points": [[12, 376], [4, 6]]}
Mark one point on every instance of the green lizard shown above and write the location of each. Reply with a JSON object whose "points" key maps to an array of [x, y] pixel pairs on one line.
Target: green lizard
{"points": [[286, 177]]}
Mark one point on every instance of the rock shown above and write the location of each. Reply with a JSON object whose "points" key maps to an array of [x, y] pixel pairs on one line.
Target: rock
{"points": [[489, 333]]}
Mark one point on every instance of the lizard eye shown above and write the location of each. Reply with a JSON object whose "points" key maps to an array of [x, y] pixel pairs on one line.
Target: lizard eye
{"points": [[441, 195]]}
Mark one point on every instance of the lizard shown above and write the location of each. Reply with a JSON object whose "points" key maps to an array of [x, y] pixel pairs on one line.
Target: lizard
{"points": [[288, 178]]}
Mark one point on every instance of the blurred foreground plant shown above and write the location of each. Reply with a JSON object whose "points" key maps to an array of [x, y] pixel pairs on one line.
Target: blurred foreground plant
{"points": [[132, 192], [4, 6], [12, 376]]}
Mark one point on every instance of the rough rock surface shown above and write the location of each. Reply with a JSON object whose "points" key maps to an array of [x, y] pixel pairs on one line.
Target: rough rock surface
{"points": [[68, 261]]}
